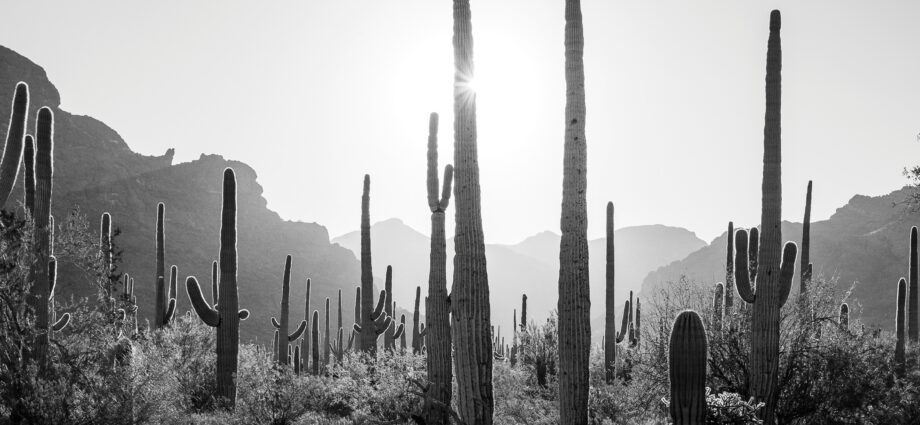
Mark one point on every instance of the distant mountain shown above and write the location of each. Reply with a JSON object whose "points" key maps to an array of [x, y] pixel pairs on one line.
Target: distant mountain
{"points": [[531, 266], [865, 241], [96, 170]]}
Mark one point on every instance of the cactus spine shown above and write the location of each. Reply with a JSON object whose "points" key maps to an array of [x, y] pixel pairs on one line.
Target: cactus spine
{"points": [[283, 325], [730, 269], [41, 289], [12, 152], [574, 288], [226, 317], [165, 301], [773, 278], [437, 314], [610, 321], [899, 327], [912, 290], [805, 278], [687, 369]]}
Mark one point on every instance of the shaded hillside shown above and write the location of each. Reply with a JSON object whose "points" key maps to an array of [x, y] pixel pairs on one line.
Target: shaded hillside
{"points": [[865, 241], [530, 266], [96, 170]]}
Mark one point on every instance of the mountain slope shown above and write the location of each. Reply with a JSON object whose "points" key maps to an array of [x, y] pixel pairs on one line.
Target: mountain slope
{"points": [[96, 170], [865, 242]]}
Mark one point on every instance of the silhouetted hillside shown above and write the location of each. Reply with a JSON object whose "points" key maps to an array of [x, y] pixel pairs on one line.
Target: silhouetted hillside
{"points": [[865, 241]]}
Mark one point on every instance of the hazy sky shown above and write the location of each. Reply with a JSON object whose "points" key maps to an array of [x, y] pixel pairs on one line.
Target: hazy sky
{"points": [[314, 94]]}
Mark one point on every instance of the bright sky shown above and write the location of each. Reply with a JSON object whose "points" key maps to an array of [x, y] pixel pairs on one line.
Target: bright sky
{"points": [[314, 94]]}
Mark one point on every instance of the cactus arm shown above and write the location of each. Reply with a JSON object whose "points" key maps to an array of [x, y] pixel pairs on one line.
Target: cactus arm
{"points": [[351, 340], [624, 327], [423, 332], [382, 326], [243, 314], [12, 153], [214, 288], [787, 271], [297, 333], [742, 271], [448, 179], [207, 314], [61, 323], [170, 310], [275, 323], [753, 252], [381, 302], [357, 328], [401, 328], [52, 275]]}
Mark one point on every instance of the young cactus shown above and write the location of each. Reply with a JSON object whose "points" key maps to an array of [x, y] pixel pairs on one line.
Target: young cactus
{"points": [[687, 369], [15, 138], [226, 317], [844, 320], [730, 269], [283, 325]]}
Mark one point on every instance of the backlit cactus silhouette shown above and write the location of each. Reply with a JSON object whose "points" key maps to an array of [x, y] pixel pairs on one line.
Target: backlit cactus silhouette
{"points": [[418, 328], [282, 325], [730, 270], [15, 139], [437, 314], [165, 305], [900, 333], [305, 340], [610, 321], [28, 160], [314, 345], [226, 317], [773, 279], [687, 369], [805, 266], [389, 337], [374, 321], [912, 290]]}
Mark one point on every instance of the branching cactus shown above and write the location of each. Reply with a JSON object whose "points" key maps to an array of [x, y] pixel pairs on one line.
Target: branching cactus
{"points": [[687, 369], [389, 337], [165, 299], [912, 290], [283, 325], [15, 138], [41, 290], [717, 298], [610, 322], [57, 324], [226, 317], [899, 319]]}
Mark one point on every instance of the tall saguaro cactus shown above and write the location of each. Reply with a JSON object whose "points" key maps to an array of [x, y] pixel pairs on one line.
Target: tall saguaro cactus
{"points": [[805, 278], [15, 138], [471, 314], [374, 321], [610, 323], [773, 278], [912, 291], [438, 307], [574, 288], [226, 317], [389, 340], [305, 341], [687, 369], [41, 290], [165, 305], [730, 269], [283, 325]]}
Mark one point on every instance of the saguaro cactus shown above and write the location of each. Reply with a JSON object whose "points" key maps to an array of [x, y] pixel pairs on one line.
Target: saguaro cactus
{"points": [[912, 291], [471, 313], [899, 327], [305, 341], [283, 325], [574, 289], [610, 321], [374, 321], [41, 289], [28, 159], [773, 279], [687, 369], [717, 298], [12, 152], [226, 317], [438, 306], [389, 339], [805, 278], [357, 317], [844, 320], [326, 341], [214, 282], [314, 335], [730, 269], [165, 305], [418, 328]]}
